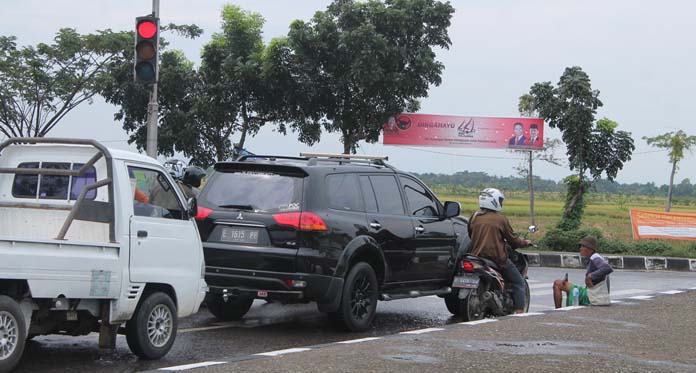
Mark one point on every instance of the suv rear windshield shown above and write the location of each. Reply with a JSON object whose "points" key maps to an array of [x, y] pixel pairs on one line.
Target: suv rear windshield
{"points": [[254, 191]]}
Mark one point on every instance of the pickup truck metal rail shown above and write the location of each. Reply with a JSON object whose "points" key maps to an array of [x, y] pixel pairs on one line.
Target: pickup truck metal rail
{"points": [[87, 210]]}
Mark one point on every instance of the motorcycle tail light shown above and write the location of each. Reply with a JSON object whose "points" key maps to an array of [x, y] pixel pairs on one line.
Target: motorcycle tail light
{"points": [[468, 267]]}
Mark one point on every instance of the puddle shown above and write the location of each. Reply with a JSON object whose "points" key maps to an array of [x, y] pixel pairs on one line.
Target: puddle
{"points": [[530, 347], [419, 359]]}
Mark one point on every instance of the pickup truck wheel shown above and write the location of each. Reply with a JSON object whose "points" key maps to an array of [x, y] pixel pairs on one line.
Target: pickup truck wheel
{"points": [[151, 332], [359, 299], [234, 309], [12, 333]]}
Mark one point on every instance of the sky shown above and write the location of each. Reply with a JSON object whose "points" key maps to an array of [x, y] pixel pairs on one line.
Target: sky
{"points": [[639, 54]]}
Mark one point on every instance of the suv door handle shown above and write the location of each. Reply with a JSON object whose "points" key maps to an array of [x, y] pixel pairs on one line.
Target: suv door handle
{"points": [[419, 229], [375, 225], [142, 234]]}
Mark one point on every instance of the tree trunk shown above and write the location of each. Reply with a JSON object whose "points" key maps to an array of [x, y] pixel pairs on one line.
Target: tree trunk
{"points": [[531, 191], [671, 185], [245, 128]]}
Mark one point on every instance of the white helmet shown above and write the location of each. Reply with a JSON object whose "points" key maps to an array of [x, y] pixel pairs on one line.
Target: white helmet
{"points": [[491, 199]]}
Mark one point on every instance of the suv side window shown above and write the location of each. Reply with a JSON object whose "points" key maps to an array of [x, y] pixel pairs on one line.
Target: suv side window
{"points": [[343, 193], [153, 196], [420, 202], [388, 195], [369, 194]]}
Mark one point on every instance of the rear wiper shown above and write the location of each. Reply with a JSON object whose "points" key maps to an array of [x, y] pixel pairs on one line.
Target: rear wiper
{"points": [[239, 207]]}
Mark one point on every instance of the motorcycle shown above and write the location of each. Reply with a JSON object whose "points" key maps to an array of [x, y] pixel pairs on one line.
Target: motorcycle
{"points": [[479, 290]]}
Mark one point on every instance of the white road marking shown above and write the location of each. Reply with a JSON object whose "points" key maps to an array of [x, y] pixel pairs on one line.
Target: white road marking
{"points": [[359, 340], [540, 307], [540, 286], [193, 366], [526, 314], [642, 297], [671, 292], [532, 281], [422, 331], [616, 301], [570, 308], [283, 352], [477, 322], [692, 288]]}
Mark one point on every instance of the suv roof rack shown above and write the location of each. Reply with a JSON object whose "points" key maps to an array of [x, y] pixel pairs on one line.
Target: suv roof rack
{"points": [[345, 156], [370, 160], [268, 157]]}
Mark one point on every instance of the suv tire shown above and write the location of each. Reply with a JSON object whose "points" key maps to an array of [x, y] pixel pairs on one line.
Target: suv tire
{"points": [[359, 299], [452, 302], [13, 332], [152, 330], [234, 309]]}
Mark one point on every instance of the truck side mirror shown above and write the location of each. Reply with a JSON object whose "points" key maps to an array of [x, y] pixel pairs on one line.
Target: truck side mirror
{"points": [[452, 209], [192, 207]]}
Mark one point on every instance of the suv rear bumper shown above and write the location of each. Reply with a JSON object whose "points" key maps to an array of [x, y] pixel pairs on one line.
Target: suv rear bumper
{"points": [[272, 285]]}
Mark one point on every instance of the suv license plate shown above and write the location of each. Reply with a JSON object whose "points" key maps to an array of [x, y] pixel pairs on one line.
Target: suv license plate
{"points": [[465, 282], [240, 235]]}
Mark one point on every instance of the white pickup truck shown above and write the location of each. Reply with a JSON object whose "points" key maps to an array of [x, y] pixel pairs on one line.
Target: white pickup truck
{"points": [[93, 240]]}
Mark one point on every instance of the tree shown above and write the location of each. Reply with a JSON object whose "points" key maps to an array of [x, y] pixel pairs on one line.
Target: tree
{"points": [[677, 143], [356, 63], [40, 85], [593, 148]]}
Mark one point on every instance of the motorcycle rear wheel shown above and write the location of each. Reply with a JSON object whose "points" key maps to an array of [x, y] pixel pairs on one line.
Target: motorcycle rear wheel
{"points": [[470, 307]]}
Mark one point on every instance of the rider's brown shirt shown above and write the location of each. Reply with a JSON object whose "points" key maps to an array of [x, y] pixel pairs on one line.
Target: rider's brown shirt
{"points": [[489, 231]]}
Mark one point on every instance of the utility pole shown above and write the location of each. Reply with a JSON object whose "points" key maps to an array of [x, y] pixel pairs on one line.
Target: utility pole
{"points": [[153, 106], [531, 190]]}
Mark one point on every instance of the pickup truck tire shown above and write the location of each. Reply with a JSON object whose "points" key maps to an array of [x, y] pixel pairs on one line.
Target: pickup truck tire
{"points": [[359, 299], [13, 332], [234, 309], [151, 332]]}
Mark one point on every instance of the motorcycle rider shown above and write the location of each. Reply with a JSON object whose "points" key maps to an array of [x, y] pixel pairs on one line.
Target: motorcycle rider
{"points": [[191, 181], [490, 232]]}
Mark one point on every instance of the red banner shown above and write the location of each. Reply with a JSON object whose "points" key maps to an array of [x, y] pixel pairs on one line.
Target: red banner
{"points": [[464, 132]]}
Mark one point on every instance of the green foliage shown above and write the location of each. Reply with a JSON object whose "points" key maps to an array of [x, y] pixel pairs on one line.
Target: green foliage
{"points": [[40, 85], [200, 110], [677, 143], [567, 240], [594, 148], [356, 63]]}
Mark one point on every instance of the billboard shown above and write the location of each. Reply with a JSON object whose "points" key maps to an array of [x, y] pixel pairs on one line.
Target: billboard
{"points": [[670, 225], [464, 132]]}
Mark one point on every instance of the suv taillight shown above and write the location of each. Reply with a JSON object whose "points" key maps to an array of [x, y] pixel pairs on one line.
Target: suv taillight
{"points": [[203, 213], [304, 221]]}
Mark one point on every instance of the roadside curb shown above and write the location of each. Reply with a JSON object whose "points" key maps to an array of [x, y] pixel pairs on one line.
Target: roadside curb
{"points": [[652, 263]]}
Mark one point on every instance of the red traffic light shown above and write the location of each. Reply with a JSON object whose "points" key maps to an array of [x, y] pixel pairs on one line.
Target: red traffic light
{"points": [[147, 29]]}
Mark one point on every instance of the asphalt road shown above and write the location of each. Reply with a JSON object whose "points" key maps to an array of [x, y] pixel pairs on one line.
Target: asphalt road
{"points": [[272, 327]]}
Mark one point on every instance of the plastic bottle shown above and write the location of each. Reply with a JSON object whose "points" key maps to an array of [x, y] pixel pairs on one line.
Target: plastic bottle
{"points": [[576, 296]]}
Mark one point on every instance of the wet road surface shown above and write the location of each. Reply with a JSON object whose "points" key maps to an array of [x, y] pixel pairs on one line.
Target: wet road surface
{"points": [[273, 326]]}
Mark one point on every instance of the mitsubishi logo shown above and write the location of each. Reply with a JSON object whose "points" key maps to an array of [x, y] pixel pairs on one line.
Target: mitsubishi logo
{"points": [[240, 217]]}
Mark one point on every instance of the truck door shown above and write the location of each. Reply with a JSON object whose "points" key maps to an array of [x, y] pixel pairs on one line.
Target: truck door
{"points": [[164, 243]]}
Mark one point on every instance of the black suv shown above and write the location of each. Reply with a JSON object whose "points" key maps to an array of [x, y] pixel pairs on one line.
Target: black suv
{"points": [[343, 231]]}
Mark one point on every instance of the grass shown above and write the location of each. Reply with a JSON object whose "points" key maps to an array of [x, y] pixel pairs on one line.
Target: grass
{"points": [[608, 213]]}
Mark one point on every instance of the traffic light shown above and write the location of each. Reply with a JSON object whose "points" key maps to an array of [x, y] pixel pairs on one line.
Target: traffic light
{"points": [[146, 38]]}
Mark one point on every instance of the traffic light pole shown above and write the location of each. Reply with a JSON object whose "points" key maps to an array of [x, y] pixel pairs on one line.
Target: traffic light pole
{"points": [[153, 106]]}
